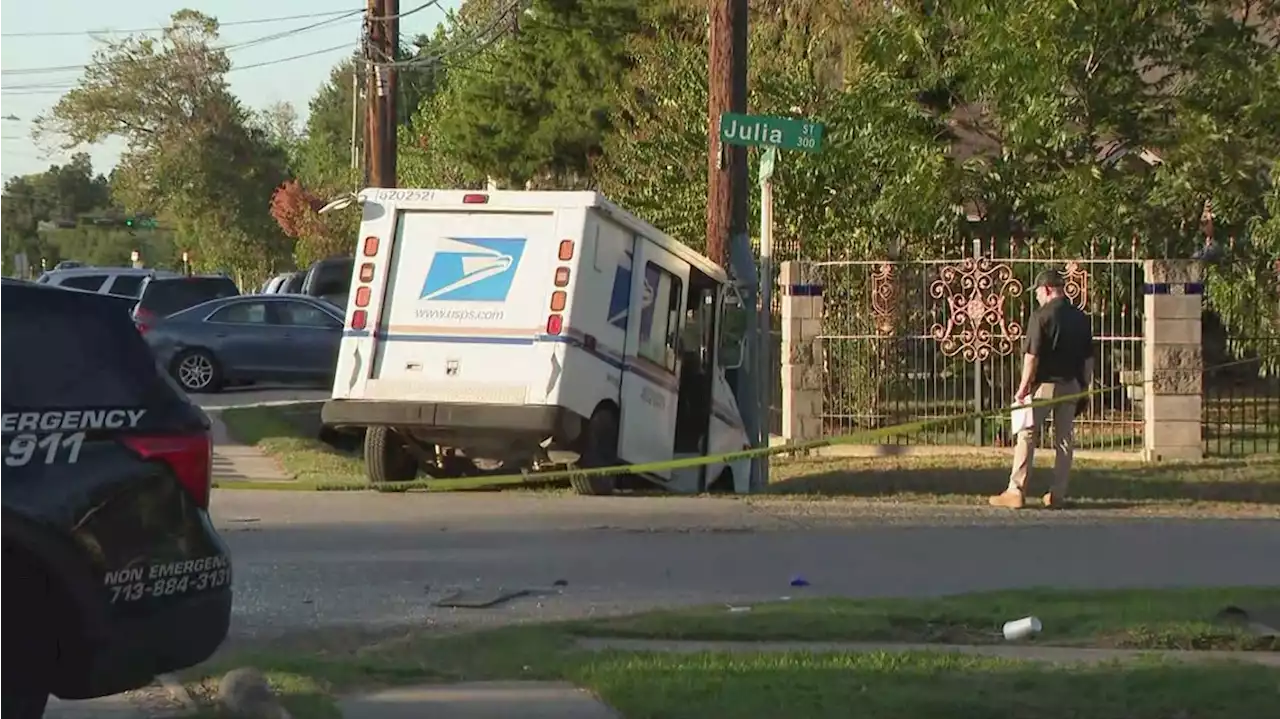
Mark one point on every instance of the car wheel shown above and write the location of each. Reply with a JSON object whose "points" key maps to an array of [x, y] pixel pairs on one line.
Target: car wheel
{"points": [[23, 706], [600, 450], [386, 459], [197, 371]]}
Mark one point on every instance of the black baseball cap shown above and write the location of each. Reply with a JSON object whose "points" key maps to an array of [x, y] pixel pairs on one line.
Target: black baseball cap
{"points": [[1050, 278]]}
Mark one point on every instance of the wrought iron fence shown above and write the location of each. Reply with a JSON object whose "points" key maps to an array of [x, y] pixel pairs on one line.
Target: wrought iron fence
{"points": [[905, 340], [1242, 398]]}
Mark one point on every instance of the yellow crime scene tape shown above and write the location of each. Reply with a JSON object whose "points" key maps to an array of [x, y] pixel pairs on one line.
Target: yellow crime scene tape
{"points": [[861, 437]]}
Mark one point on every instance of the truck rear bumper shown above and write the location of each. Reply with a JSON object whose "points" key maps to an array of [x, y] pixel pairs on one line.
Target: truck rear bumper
{"points": [[444, 419]]}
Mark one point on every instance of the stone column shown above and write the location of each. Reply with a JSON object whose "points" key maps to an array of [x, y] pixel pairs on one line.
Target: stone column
{"points": [[1172, 364], [801, 291]]}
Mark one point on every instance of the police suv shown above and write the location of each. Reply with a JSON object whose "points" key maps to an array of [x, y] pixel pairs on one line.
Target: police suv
{"points": [[112, 570]]}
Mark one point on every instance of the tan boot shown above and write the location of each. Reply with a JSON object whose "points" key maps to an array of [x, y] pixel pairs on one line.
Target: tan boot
{"points": [[1008, 499], [1053, 500]]}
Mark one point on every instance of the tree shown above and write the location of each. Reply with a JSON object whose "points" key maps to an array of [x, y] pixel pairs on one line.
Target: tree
{"points": [[279, 124], [318, 236], [192, 152], [536, 107], [63, 193]]}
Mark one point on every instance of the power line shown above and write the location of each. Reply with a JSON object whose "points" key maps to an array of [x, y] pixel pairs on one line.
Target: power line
{"points": [[233, 23], [473, 41], [233, 46]]}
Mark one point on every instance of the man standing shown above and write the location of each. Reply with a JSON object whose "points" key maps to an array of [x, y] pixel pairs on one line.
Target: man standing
{"points": [[1057, 362]]}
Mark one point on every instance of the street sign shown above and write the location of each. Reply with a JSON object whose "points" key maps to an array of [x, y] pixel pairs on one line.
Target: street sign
{"points": [[762, 130]]}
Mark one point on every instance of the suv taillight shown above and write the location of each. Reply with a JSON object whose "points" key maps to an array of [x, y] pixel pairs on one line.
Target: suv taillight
{"points": [[189, 456]]}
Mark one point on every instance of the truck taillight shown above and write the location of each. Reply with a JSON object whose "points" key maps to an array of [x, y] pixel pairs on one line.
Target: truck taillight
{"points": [[362, 296], [370, 246], [475, 199], [562, 276], [366, 272], [566, 250], [555, 323], [558, 299], [359, 319]]}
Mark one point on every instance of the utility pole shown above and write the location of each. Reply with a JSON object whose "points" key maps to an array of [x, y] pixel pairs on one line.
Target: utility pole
{"points": [[372, 147], [382, 109], [727, 92], [391, 95], [355, 116]]}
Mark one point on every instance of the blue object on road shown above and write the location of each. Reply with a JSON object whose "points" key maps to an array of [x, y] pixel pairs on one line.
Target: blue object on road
{"points": [[799, 582]]}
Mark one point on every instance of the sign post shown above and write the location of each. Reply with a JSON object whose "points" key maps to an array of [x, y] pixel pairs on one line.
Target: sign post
{"points": [[771, 134], [764, 358]]}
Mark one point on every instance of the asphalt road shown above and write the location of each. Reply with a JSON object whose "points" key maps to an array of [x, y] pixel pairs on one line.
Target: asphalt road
{"points": [[368, 560]]}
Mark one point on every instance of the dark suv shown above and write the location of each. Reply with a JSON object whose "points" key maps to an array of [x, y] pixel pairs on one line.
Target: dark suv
{"points": [[163, 296], [112, 570]]}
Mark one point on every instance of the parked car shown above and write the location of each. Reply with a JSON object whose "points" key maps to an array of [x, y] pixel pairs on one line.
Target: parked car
{"points": [[249, 338], [293, 284], [274, 284], [163, 296], [119, 281], [112, 570], [330, 279]]}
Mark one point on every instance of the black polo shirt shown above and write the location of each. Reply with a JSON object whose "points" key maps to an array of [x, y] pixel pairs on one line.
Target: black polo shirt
{"points": [[1060, 337]]}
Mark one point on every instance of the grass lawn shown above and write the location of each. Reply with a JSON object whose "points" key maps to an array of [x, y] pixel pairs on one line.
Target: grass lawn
{"points": [[748, 685], [290, 434], [970, 478]]}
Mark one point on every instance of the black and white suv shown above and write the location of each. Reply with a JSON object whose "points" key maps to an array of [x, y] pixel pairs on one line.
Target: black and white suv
{"points": [[112, 570]]}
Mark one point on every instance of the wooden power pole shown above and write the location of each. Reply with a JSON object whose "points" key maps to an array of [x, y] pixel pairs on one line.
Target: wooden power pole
{"points": [[727, 92], [382, 45]]}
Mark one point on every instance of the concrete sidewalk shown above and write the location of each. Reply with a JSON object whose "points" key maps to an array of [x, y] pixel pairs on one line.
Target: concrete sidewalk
{"points": [[236, 462], [479, 700]]}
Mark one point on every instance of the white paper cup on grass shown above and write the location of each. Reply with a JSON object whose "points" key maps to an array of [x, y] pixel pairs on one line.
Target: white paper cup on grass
{"points": [[1022, 628]]}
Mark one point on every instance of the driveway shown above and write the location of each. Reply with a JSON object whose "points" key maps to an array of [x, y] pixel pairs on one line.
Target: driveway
{"points": [[260, 394]]}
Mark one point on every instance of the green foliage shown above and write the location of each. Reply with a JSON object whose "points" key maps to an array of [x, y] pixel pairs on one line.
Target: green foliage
{"points": [[193, 153], [536, 107]]}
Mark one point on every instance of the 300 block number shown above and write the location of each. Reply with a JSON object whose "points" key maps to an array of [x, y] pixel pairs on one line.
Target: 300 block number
{"points": [[54, 447]]}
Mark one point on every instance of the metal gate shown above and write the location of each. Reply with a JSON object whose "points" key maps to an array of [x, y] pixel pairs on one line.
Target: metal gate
{"points": [[906, 340]]}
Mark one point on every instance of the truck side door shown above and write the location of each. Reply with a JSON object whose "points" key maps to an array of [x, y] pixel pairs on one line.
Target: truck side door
{"points": [[651, 368]]}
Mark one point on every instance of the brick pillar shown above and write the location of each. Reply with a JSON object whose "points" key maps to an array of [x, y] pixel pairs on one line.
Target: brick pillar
{"points": [[1172, 365], [801, 351]]}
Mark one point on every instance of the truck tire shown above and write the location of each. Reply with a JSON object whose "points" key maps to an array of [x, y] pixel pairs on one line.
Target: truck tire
{"points": [[386, 459], [23, 705], [600, 450]]}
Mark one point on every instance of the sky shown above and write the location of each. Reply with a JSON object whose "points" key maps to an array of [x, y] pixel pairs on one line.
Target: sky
{"points": [[26, 95]]}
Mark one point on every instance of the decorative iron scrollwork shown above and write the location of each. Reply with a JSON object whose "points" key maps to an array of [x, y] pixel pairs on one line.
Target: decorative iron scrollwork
{"points": [[975, 292], [1076, 278], [884, 298]]}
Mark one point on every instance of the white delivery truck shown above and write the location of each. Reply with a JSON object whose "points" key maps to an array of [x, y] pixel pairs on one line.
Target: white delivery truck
{"points": [[534, 329]]}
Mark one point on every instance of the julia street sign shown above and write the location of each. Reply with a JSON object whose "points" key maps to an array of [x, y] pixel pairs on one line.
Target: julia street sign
{"points": [[762, 130]]}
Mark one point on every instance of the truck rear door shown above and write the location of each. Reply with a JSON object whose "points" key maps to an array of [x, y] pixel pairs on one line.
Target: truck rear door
{"points": [[456, 306]]}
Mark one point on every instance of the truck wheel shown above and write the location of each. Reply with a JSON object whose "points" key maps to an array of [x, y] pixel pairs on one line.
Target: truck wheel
{"points": [[23, 705], [386, 459], [600, 450]]}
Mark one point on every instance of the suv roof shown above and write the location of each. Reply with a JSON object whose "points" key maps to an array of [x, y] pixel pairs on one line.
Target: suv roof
{"points": [[163, 296]]}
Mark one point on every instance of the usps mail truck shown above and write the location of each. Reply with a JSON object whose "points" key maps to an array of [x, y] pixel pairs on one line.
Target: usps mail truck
{"points": [[522, 330]]}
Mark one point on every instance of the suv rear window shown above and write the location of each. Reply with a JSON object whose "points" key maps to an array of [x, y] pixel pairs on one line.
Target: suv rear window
{"points": [[163, 297], [91, 283], [77, 351], [329, 277]]}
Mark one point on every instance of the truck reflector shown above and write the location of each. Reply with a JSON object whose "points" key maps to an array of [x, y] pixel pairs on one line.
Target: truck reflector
{"points": [[566, 250], [370, 246], [362, 296], [475, 199], [557, 301], [555, 323], [359, 319]]}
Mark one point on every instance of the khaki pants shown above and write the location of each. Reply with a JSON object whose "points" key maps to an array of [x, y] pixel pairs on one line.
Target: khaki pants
{"points": [[1064, 417]]}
